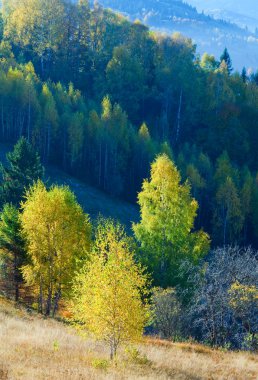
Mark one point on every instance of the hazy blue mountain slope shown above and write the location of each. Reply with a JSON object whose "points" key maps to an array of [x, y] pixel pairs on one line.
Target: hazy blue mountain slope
{"points": [[245, 7], [209, 34], [244, 13]]}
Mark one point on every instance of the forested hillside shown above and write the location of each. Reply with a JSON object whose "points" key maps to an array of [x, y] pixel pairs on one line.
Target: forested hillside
{"points": [[100, 97], [143, 118], [209, 27]]}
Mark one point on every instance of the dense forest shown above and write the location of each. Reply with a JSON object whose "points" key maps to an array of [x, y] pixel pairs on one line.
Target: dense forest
{"points": [[142, 117], [100, 97]]}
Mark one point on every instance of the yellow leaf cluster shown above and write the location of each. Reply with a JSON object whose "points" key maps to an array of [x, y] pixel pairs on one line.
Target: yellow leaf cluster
{"points": [[109, 291], [58, 237]]}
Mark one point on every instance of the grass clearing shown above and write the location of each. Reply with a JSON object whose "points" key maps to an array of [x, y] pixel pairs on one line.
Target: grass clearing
{"points": [[36, 348]]}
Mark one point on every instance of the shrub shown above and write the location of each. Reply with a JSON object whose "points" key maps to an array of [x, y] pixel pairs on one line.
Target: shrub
{"points": [[134, 356], [56, 346], [223, 311], [166, 312], [101, 364]]}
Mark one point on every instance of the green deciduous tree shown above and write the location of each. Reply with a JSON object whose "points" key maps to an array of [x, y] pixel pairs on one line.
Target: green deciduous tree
{"points": [[208, 62], [125, 77], [36, 24], [228, 213], [165, 232], [228, 218], [50, 121]]}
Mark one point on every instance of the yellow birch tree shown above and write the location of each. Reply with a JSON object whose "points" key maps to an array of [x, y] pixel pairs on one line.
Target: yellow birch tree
{"points": [[110, 289], [58, 237]]}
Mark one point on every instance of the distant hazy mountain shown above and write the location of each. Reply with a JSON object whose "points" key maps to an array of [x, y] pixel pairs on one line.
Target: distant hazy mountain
{"points": [[211, 35], [244, 7], [242, 12]]}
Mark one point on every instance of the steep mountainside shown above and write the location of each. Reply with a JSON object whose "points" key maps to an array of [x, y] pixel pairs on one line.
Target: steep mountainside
{"points": [[210, 35]]}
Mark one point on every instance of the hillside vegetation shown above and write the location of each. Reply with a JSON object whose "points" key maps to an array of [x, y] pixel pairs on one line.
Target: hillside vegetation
{"points": [[52, 253], [96, 108], [94, 201], [210, 34], [244, 14], [42, 349], [101, 97]]}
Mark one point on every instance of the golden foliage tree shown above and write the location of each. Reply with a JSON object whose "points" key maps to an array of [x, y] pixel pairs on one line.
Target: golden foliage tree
{"points": [[36, 24], [58, 237], [110, 289]]}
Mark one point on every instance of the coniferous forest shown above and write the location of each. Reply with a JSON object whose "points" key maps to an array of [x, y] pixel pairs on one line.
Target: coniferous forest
{"points": [[142, 117]]}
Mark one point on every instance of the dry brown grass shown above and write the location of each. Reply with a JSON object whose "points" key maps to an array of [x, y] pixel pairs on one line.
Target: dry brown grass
{"points": [[33, 348]]}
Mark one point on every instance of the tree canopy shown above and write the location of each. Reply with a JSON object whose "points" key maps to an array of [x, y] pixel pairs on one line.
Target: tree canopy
{"points": [[165, 231], [23, 168], [110, 291], [80, 84], [56, 244]]}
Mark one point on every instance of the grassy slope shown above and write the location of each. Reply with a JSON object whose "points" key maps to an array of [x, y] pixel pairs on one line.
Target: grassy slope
{"points": [[94, 201], [35, 348], [28, 342]]}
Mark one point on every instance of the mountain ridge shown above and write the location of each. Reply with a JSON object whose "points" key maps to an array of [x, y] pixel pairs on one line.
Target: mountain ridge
{"points": [[243, 14], [211, 35]]}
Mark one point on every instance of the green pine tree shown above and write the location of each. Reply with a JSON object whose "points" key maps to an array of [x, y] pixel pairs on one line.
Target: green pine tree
{"points": [[12, 247], [225, 57], [23, 168]]}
